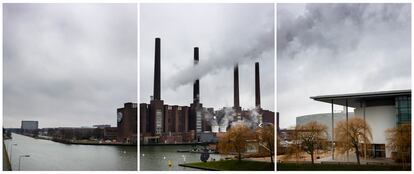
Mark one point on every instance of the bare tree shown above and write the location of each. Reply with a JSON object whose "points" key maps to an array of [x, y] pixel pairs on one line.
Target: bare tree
{"points": [[293, 149], [399, 140], [350, 134], [235, 140], [266, 137], [312, 136]]}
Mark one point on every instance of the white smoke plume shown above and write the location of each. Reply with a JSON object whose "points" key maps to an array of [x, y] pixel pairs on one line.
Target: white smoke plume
{"points": [[240, 122], [253, 40], [210, 117], [228, 116], [251, 120]]}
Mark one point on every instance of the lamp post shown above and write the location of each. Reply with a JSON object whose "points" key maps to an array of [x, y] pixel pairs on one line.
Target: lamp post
{"points": [[20, 158]]}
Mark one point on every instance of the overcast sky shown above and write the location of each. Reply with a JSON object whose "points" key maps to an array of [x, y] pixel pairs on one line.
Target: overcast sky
{"points": [[68, 64], [339, 48], [225, 34]]}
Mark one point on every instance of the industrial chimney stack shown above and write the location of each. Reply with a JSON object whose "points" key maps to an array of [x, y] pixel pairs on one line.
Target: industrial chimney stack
{"points": [[257, 84], [196, 87], [156, 107], [195, 119], [236, 88], [157, 70]]}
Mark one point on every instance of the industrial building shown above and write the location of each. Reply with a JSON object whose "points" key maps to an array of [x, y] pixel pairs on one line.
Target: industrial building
{"points": [[381, 110], [168, 124], [127, 123], [124, 133]]}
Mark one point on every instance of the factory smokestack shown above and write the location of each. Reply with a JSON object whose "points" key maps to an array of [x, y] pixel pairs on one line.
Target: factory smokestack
{"points": [[157, 70], [236, 87], [196, 87], [257, 84]]}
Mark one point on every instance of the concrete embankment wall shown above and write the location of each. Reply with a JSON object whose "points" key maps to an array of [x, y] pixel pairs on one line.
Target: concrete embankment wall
{"points": [[6, 160]]}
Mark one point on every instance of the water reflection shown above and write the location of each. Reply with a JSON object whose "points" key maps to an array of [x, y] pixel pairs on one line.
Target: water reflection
{"points": [[156, 158]]}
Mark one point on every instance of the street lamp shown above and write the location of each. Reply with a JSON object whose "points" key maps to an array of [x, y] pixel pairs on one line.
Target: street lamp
{"points": [[20, 158]]}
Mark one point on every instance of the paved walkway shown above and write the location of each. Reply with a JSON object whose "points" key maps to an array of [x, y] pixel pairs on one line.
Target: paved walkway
{"points": [[327, 157], [260, 159], [352, 158]]}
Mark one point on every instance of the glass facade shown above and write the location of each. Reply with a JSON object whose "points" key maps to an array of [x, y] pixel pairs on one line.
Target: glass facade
{"points": [[403, 107], [376, 151]]}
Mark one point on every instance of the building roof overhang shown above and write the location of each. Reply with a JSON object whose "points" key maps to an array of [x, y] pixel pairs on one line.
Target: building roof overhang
{"points": [[357, 99]]}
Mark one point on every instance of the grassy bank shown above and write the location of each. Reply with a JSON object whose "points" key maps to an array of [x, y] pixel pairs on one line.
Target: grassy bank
{"points": [[338, 167], [232, 165]]}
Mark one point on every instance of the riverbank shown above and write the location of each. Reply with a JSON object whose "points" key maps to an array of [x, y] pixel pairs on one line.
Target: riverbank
{"points": [[78, 142], [6, 160], [85, 142], [231, 165]]}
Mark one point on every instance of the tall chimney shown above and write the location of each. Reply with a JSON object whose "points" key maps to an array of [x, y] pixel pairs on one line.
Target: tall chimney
{"points": [[196, 87], [157, 70], [236, 86], [257, 84]]}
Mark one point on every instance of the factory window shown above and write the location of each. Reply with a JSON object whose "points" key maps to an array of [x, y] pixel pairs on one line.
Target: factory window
{"points": [[169, 107], [198, 121], [158, 121], [403, 107], [179, 108]]}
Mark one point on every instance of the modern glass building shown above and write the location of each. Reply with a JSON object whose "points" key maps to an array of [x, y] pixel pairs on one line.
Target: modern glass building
{"points": [[382, 110], [403, 109]]}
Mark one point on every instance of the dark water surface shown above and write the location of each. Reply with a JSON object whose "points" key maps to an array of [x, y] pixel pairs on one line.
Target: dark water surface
{"points": [[152, 157]]}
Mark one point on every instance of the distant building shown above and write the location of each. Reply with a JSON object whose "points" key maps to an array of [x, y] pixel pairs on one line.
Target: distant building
{"points": [[75, 133], [30, 125], [107, 132], [110, 133], [127, 123], [324, 118]]}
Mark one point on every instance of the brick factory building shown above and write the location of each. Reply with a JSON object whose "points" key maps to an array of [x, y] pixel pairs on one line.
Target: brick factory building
{"points": [[170, 124], [127, 123]]}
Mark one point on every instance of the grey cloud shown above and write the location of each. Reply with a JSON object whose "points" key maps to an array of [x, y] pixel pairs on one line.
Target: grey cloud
{"points": [[68, 64], [340, 48], [226, 57], [226, 34]]}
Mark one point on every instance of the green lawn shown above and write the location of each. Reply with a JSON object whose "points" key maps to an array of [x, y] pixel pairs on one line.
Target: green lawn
{"points": [[338, 167], [232, 165]]}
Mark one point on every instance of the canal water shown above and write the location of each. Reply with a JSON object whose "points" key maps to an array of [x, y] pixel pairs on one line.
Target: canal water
{"points": [[155, 158], [46, 155]]}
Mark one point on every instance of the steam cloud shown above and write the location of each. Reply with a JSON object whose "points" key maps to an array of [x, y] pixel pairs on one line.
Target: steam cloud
{"points": [[225, 118], [248, 50], [354, 47]]}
